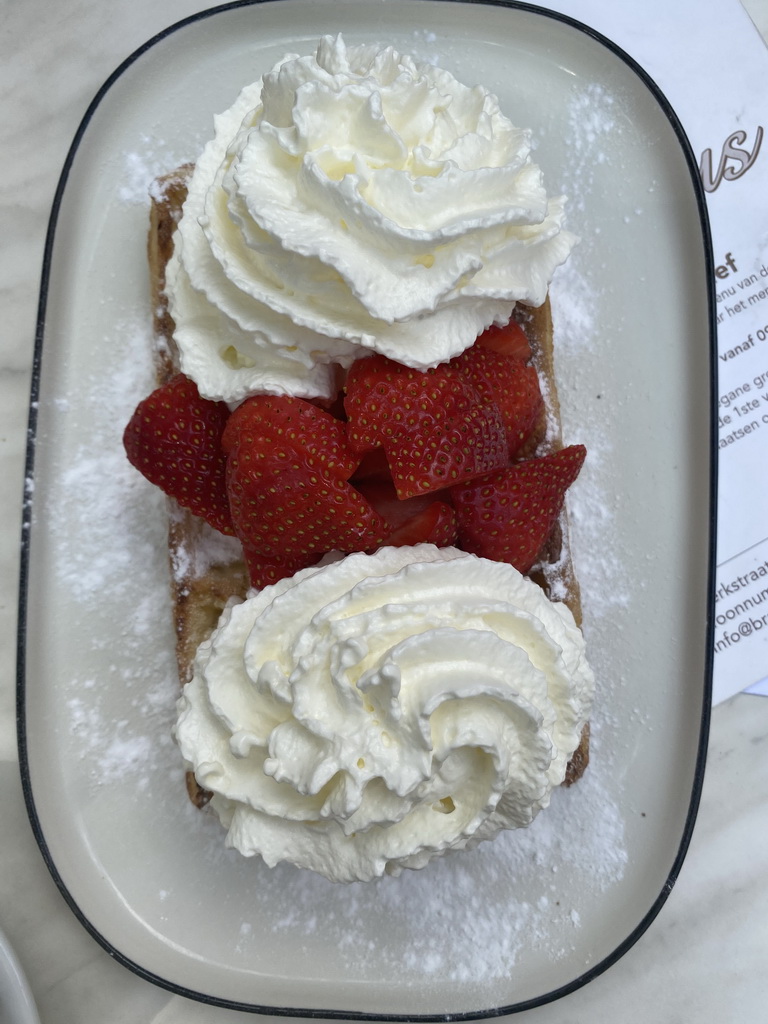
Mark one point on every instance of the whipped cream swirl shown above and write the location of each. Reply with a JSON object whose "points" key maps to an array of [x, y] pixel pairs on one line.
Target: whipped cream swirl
{"points": [[355, 200], [376, 712]]}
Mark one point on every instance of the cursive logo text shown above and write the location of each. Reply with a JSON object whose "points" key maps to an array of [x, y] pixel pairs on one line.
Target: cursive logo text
{"points": [[735, 160]]}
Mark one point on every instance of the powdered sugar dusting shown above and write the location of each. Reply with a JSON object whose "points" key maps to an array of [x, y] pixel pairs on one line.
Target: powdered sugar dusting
{"points": [[108, 524], [104, 494], [575, 297], [573, 304], [140, 169], [445, 923], [471, 917], [456, 933], [591, 120], [208, 548]]}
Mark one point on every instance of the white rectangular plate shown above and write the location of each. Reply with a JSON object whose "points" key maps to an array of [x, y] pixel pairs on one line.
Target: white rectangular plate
{"points": [[533, 914]]}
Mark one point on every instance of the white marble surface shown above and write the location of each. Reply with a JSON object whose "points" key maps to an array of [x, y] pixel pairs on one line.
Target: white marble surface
{"points": [[704, 957]]}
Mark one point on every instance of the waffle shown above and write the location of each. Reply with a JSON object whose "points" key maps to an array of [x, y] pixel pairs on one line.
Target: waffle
{"points": [[207, 569]]}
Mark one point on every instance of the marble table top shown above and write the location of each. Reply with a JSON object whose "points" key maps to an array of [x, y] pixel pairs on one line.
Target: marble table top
{"points": [[702, 959]]}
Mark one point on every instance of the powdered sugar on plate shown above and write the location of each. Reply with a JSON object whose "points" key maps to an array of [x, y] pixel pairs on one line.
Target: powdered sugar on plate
{"points": [[469, 918], [592, 123], [457, 932], [141, 167], [103, 492]]}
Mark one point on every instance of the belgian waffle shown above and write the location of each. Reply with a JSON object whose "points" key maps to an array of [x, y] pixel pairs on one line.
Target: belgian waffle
{"points": [[207, 569]]}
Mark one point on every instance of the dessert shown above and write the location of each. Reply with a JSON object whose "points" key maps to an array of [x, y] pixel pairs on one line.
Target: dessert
{"points": [[358, 718], [355, 201], [356, 381]]}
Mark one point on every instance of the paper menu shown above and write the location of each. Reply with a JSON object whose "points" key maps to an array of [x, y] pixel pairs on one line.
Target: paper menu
{"points": [[712, 65]]}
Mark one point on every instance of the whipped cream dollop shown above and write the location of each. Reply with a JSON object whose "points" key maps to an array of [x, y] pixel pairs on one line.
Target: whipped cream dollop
{"points": [[373, 713], [355, 200]]}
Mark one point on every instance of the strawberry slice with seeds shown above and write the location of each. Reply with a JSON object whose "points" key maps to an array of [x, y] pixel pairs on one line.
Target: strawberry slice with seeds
{"points": [[174, 440], [433, 425], [511, 384], [273, 423], [287, 479], [508, 516], [285, 508], [263, 572]]}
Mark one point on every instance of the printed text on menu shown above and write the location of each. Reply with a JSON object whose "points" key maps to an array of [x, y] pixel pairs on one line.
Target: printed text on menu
{"points": [[741, 276]]}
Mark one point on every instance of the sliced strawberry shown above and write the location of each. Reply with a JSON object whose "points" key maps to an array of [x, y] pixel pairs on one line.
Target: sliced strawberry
{"points": [[275, 423], [508, 341], [436, 524], [287, 472], [422, 519], [381, 493], [174, 439], [511, 384], [433, 425], [263, 572], [508, 516], [287, 506]]}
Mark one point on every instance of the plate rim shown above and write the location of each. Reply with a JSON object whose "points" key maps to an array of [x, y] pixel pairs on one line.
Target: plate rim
{"points": [[26, 529], [15, 985]]}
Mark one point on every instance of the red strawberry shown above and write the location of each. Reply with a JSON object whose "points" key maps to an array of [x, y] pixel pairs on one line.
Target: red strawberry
{"points": [[262, 572], [285, 510], [436, 524], [508, 341], [508, 516], [432, 425], [275, 422], [511, 384], [423, 519], [174, 439], [287, 471]]}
